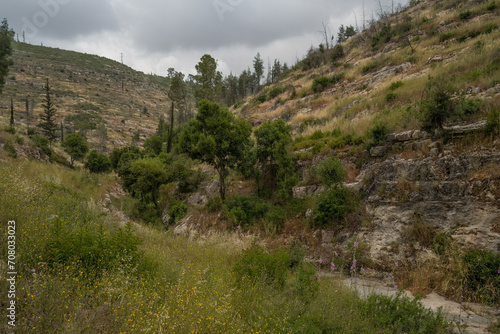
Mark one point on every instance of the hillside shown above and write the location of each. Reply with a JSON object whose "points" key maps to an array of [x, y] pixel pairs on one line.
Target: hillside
{"points": [[375, 168], [383, 71], [98, 90]]}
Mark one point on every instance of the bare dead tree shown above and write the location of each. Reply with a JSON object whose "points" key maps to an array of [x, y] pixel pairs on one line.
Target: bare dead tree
{"points": [[364, 17], [327, 35]]}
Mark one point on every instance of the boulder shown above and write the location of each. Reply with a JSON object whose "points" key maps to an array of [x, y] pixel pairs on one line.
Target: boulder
{"points": [[378, 151], [197, 199]]}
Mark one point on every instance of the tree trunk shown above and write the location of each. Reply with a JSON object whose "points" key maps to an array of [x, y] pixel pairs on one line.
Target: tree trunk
{"points": [[222, 185], [171, 130]]}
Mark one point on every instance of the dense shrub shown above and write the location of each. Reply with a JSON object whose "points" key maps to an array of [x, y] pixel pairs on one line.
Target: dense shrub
{"points": [[321, 83], [178, 210], [276, 91], [92, 250], [306, 282], [331, 171], [337, 53], [467, 107], [333, 207], [262, 98], [97, 162], [246, 209], [10, 149], [256, 264], [436, 106], [390, 97], [395, 85], [492, 127], [465, 15], [43, 144], [368, 67], [377, 135], [405, 315], [482, 275]]}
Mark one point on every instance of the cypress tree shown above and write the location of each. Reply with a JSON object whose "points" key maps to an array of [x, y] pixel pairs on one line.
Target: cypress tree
{"points": [[48, 124]]}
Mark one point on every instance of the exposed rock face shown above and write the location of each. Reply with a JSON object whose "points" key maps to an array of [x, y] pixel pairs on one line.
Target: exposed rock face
{"points": [[457, 194], [307, 191]]}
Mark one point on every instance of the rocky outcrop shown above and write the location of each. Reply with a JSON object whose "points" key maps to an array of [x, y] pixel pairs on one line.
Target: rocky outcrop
{"points": [[457, 194]]}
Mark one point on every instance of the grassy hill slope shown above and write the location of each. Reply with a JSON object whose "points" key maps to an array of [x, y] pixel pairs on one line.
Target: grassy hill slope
{"points": [[98, 89]]}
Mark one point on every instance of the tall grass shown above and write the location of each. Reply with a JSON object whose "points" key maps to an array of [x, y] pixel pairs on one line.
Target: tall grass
{"points": [[154, 282]]}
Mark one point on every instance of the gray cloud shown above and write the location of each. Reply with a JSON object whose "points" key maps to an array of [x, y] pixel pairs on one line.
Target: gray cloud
{"points": [[58, 19], [157, 34], [195, 24]]}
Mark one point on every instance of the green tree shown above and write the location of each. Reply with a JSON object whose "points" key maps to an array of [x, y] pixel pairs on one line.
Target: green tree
{"points": [[258, 66], [76, 146], [216, 137], [6, 37], [276, 164], [177, 93], [153, 145], [48, 124], [208, 80], [147, 175], [97, 162], [436, 106], [121, 156]]}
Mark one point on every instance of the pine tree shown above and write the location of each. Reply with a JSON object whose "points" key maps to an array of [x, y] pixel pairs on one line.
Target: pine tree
{"points": [[11, 114], [48, 124], [258, 66], [6, 37]]}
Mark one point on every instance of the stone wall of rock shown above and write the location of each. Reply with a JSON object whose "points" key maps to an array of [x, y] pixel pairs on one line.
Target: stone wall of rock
{"points": [[457, 193]]}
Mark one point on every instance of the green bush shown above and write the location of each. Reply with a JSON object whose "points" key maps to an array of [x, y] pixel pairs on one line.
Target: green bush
{"points": [[256, 264], [97, 162], [246, 209], [368, 67], [492, 127], [437, 106], [390, 97], [43, 144], [464, 16], [395, 85], [337, 53], [440, 243], [404, 315], [177, 211], [467, 107], [333, 207], [318, 134], [481, 277], [214, 203], [10, 149], [491, 6], [94, 251], [306, 282], [276, 91], [331, 171], [377, 135], [276, 216], [262, 98], [320, 84], [446, 36]]}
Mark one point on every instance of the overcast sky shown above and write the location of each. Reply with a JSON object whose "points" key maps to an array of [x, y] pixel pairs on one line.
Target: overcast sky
{"points": [[154, 35]]}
